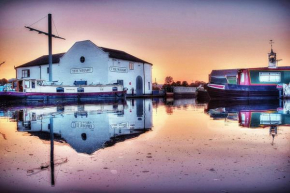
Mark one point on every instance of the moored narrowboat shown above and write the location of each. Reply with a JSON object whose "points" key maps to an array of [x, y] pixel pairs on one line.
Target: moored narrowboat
{"points": [[251, 83], [40, 90]]}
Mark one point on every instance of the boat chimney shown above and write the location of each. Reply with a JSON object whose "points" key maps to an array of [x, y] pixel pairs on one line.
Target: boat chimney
{"points": [[272, 62]]}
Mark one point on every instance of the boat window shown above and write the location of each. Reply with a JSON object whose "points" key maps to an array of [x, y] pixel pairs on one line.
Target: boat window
{"points": [[270, 77], [26, 84], [33, 84], [59, 89], [232, 79], [39, 83], [81, 89], [267, 119], [115, 88]]}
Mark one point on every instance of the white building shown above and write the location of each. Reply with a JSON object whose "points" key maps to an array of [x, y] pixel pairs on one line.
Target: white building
{"points": [[86, 63]]}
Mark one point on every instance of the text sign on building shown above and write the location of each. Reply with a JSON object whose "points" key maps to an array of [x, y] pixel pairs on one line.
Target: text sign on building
{"points": [[81, 70], [82, 124], [118, 69]]}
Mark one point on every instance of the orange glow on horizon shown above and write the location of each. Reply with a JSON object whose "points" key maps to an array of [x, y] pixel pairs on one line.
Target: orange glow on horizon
{"points": [[185, 40]]}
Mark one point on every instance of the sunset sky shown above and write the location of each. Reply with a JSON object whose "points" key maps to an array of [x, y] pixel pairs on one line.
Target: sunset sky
{"points": [[183, 39]]}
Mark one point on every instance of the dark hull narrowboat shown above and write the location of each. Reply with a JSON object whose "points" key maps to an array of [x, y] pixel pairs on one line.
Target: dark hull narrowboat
{"points": [[236, 92], [253, 83]]}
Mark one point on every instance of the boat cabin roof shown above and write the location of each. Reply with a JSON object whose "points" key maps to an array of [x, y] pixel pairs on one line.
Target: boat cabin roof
{"points": [[234, 72]]}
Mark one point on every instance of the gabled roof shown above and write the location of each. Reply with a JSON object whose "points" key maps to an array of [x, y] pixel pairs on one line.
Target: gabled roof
{"points": [[116, 54], [42, 60]]}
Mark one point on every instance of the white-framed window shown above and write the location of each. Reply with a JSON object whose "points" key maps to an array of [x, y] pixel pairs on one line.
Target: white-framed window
{"points": [[267, 118], [25, 73], [26, 84], [131, 65], [270, 76]]}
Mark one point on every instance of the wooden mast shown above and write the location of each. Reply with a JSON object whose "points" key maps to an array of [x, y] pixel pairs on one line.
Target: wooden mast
{"points": [[50, 36]]}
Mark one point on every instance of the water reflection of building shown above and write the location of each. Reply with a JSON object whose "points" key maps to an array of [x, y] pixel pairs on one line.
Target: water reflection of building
{"points": [[88, 127]]}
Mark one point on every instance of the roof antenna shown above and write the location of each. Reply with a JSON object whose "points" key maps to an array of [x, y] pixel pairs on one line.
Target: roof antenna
{"points": [[271, 42]]}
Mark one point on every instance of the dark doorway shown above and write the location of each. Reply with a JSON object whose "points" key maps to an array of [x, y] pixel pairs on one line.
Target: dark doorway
{"points": [[139, 85]]}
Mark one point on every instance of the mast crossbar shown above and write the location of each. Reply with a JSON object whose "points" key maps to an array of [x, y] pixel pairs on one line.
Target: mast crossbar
{"points": [[45, 33]]}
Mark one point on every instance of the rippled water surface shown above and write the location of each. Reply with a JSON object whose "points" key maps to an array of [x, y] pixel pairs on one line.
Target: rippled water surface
{"points": [[145, 146]]}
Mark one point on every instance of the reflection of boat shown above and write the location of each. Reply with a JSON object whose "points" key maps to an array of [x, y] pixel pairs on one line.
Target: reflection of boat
{"points": [[20, 104], [40, 90], [86, 127], [252, 114], [251, 83]]}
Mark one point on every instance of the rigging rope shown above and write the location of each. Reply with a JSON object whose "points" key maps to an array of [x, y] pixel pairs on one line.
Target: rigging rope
{"points": [[37, 21], [55, 27]]}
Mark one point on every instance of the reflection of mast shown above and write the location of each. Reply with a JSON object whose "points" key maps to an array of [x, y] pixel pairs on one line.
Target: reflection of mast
{"points": [[51, 151], [52, 163]]}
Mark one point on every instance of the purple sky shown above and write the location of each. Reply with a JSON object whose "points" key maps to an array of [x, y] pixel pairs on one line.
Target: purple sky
{"points": [[183, 39]]}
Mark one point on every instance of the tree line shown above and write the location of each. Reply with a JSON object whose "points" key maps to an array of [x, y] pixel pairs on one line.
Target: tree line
{"points": [[3, 81], [169, 83]]}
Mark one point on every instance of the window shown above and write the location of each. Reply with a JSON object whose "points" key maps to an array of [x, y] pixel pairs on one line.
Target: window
{"points": [[270, 119], [120, 82], [82, 59], [80, 89], [80, 82], [39, 83], [59, 89], [148, 85], [26, 84], [242, 77], [47, 70], [131, 65], [270, 77], [33, 84], [232, 79], [25, 73]]}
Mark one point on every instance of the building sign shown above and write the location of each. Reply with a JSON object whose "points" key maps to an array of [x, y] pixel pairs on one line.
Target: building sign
{"points": [[83, 124], [124, 125], [118, 69], [81, 70]]}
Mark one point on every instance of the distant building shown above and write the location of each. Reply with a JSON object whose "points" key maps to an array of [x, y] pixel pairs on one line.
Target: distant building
{"points": [[86, 63]]}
